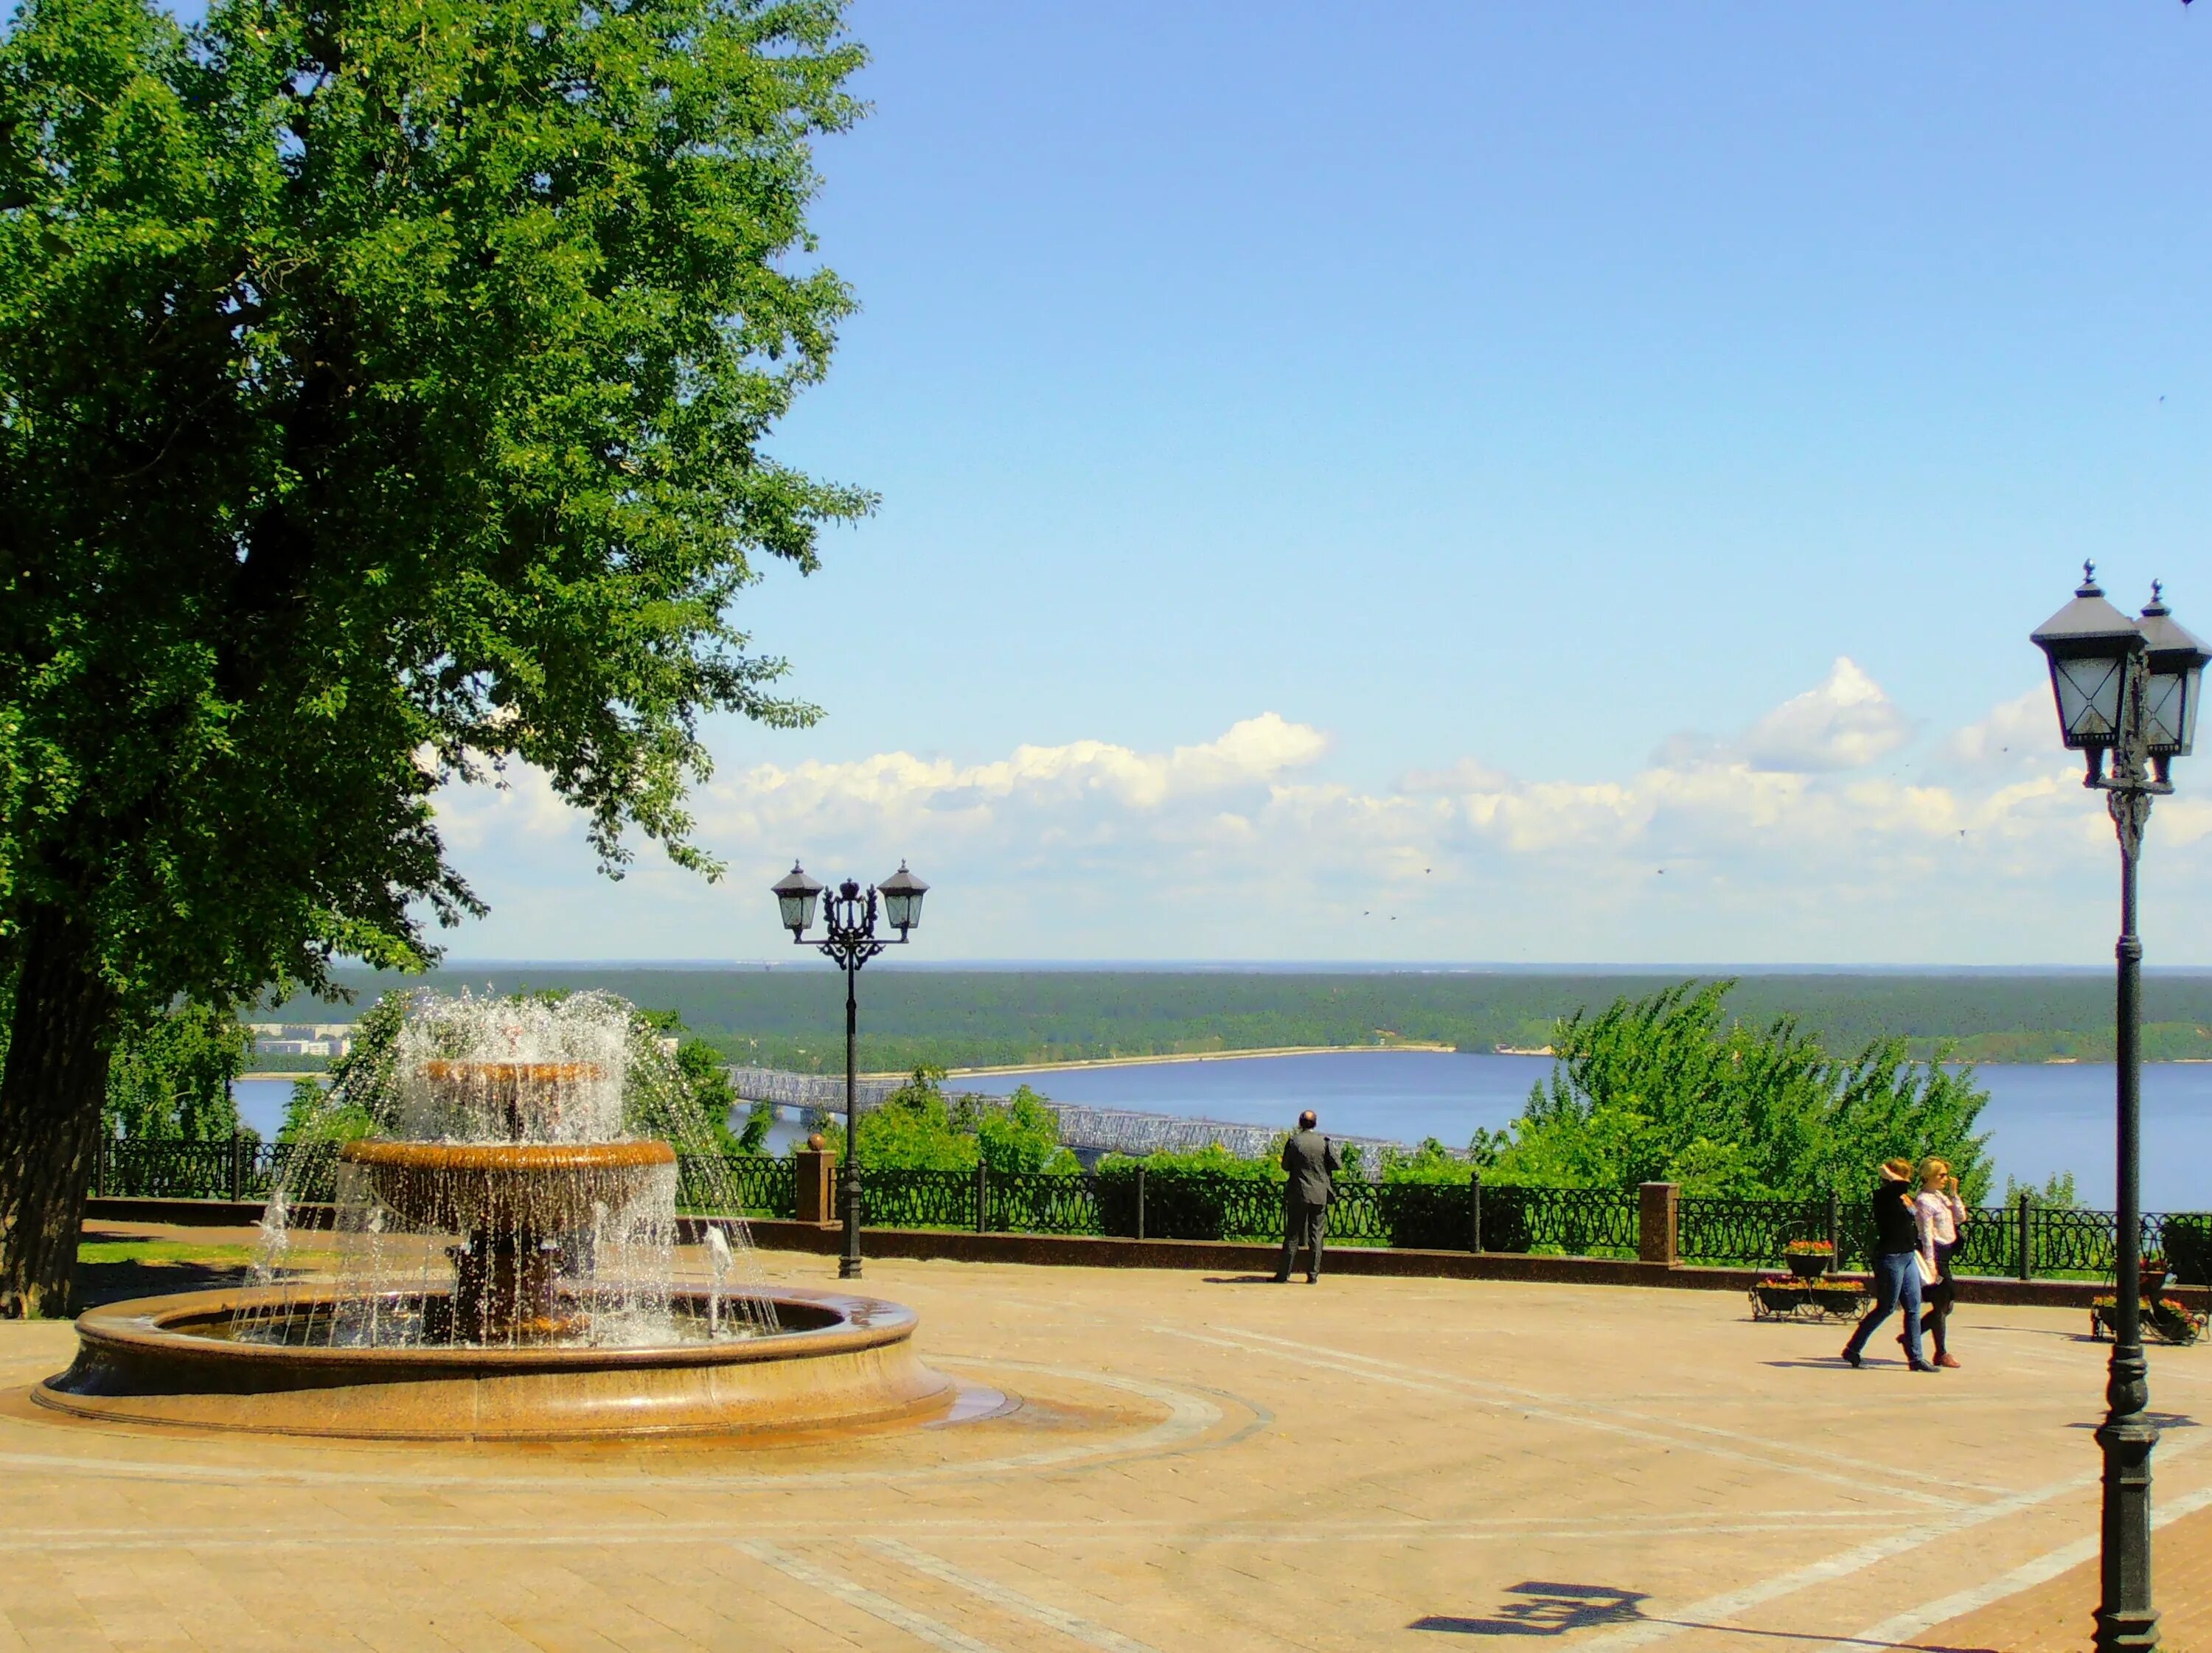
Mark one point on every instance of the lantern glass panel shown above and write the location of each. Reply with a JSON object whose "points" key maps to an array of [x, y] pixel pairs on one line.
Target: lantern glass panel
{"points": [[2088, 688], [2165, 700], [2170, 699], [797, 910]]}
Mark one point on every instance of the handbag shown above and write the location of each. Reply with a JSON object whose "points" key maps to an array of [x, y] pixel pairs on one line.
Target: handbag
{"points": [[1927, 1274]]}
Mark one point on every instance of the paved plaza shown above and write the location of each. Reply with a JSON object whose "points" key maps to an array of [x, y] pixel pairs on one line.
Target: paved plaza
{"points": [[1181, 1462]]}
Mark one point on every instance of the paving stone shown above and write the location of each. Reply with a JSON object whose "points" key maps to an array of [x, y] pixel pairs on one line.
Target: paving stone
{"points": [[1192, 1465]]}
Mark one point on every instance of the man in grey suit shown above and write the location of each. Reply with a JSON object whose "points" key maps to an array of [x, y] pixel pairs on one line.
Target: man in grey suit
{"points": [[1311, 1159]]}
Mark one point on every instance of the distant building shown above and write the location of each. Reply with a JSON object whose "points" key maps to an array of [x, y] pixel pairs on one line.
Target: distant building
{"points": [[302, 1038]]}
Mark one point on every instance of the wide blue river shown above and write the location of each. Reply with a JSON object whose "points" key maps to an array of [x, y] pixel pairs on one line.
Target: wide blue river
{"points": [[2040, 1119]]}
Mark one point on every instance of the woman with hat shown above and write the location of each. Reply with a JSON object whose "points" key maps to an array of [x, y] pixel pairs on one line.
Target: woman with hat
{"points": [[1896, 1264]]}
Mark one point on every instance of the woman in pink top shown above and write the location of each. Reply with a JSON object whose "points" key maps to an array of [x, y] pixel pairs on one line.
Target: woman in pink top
{"points": [[1942, 1220]]}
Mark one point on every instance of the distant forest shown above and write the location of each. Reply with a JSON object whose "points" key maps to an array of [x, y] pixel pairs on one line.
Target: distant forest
{"points": [[795, 1018]]}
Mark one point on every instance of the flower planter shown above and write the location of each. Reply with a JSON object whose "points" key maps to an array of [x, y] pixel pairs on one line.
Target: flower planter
{"points": [[1809, 1265], [1777, 1298], [2163, 1318]]}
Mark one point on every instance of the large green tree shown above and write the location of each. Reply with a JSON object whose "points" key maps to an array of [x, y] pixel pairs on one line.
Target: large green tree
{"points": [[383, 385]]}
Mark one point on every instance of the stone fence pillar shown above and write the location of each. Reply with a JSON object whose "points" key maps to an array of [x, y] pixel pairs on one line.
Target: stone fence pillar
{"points": [[1658, 1213], [812, 1168]]}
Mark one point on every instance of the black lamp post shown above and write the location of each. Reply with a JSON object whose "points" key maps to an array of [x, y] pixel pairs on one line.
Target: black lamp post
{"points": [[851, 941], [2128, 687]]}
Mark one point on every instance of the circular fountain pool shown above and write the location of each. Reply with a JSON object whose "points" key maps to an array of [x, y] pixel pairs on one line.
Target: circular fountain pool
{"points": [[838, 1362]]}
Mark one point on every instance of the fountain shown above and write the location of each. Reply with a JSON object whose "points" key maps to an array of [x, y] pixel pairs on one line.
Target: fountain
{"points": [[526, 1231]]}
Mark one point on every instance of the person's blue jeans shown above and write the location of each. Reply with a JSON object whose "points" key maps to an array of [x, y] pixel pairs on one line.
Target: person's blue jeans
{"points": [[1896, 1284]]}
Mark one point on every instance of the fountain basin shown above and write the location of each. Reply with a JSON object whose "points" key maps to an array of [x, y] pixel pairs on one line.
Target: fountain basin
{"points": [[537, 1187], [842, 1362]]}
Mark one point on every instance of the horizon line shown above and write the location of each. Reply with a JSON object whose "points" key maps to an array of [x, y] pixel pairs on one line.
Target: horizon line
{"points": [[1314, 966]]}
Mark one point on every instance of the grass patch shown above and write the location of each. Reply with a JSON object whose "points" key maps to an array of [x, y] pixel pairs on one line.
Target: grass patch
{"points": [[158, 1251]]}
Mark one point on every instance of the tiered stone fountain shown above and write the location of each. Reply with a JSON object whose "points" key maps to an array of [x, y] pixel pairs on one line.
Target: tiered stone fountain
{"points": [[507, 1261]]}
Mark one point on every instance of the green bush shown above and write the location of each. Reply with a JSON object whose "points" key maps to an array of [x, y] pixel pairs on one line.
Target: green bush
{"points": [[1206, 1195], [915, 1128], [2189, 1247], [1666, 1089], [169, 1078]]}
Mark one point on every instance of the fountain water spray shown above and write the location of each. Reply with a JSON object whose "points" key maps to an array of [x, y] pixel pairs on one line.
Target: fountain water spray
{"points": [[505, 1172]]}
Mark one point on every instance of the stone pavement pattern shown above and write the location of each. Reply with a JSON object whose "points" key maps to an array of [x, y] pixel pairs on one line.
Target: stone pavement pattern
{"points": [[1194, 1464]]}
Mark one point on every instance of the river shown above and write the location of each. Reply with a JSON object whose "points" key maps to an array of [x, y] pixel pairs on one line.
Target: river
{"points": [[2041, 1118]]}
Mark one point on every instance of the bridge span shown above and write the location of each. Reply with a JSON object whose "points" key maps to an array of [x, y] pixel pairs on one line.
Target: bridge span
{"points": [[1090, 1131]]}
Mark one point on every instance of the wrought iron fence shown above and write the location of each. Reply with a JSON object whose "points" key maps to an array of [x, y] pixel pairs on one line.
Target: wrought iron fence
{"points": [[1728, 1230], [235, 1167], [1567, 1222], [1038, 1202], [2024, 1239], [759, 1184], [917, 1198]]}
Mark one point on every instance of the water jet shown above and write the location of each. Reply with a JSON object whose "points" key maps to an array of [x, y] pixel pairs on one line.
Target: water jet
{"points": [[530, 1235]]}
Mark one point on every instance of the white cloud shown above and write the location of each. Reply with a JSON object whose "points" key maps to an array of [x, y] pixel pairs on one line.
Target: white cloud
{"points": [[1846, 723], [2020, 734], [1779, 843]]}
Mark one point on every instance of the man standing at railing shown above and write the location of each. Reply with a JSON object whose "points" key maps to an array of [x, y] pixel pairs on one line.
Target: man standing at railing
{"points": [[1312, 1161]]}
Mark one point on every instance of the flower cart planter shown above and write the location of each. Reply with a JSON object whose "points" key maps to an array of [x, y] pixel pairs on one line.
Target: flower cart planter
{"points": [[1780, 1297], [2163, 1318]]}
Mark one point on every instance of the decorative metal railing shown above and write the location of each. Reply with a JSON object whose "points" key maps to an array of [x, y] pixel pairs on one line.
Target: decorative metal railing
{"points": [[1564, 1222], [917, 1198], [1726, 1231], [1036, 1202], [2022, 1240], [761, 1185]]}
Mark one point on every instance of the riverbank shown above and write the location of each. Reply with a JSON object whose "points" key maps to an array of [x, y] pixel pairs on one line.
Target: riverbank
{"points": [[1194, 1056]]}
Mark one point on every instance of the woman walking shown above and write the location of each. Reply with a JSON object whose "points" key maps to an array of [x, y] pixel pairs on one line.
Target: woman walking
{"points": [[1942, 1221], [1896, 1264]]}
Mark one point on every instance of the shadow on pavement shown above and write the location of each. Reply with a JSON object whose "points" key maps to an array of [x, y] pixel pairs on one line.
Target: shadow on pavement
{"points": [[1542, 1608], [110, 1282]]}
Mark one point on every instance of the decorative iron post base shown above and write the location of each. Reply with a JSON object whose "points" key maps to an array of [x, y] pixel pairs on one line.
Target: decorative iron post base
{"points": [[2127, 1622], [848, 1265]]}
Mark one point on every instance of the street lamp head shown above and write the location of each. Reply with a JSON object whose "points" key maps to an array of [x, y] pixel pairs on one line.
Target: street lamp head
{"points": [[2088, 643], [902, 893], [2176, 659], [796, 894]]}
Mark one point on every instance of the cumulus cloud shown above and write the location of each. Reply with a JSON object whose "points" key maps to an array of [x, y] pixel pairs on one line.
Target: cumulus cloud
{"points": [[2018, 735], [1778, 841], [1845, 723]]}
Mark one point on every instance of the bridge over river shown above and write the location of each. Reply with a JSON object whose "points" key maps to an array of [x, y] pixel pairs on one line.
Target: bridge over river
{"points": [[1089, 1131]]}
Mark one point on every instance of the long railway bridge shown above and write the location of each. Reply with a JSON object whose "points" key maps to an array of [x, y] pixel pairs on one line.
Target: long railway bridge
{"points": [[1090, 1132]]}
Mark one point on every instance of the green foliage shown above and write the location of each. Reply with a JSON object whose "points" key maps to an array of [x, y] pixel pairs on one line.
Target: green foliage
{"points": [[170, 1079], [760, 1120], [383, 395], [1665, 1089], [1430, 1162], [1213, 1159], [2056, 1194], [357, 1101], [915, 1128], [712, 1098], [912, 1127], [1022, 1134]]}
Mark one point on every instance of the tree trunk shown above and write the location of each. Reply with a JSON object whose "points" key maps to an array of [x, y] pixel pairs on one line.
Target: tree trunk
{"points": [[50, 1102]]}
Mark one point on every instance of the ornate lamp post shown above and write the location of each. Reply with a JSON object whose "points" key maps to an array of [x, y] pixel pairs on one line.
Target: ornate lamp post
{"points": [[2127, 687], [851, 942]]}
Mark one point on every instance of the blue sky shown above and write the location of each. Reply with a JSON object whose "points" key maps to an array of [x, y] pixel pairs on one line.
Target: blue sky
{"points": [[1505, 451]]}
